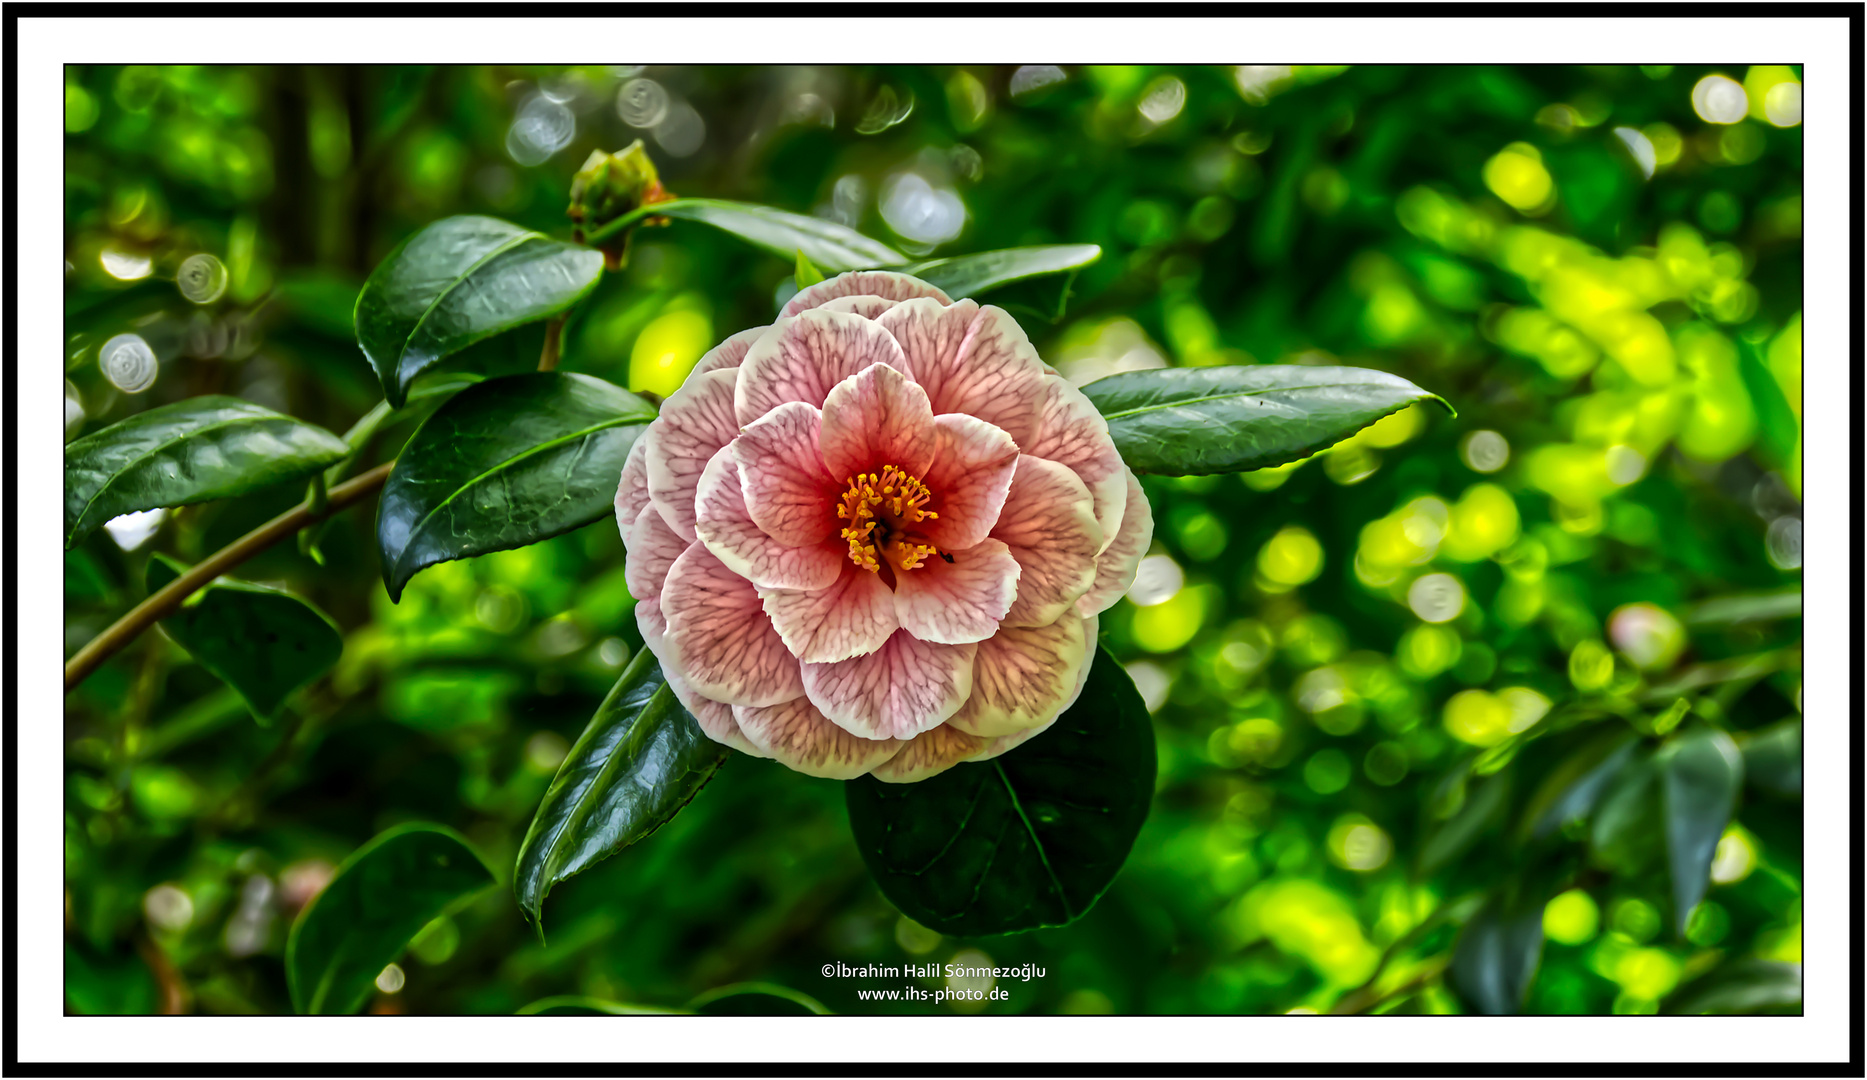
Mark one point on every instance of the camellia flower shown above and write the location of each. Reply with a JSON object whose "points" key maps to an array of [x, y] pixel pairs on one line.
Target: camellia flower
{"points": [[876, 536]]}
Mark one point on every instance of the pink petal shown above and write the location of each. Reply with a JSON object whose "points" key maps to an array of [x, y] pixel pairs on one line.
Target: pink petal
{"points": [[803, 357], [953, 603], [715, 718], [1022, 677], [719, 638], [632, 490], [869, 307], [1073, 433], [728, 531], [1115, 567], [729, 353], [654, 627], [650, 549], [787, 490], [695, 422], [800, 737], [1005, 743], [973, 465], [874, 418], [852, 616], [895, 692], [1049, 523], [929, 754], [882, 283], [972, 360]]}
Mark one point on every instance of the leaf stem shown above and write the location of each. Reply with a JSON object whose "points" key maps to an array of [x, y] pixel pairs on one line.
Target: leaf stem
{"points": [[165, 601], [554, 337], [611, 228]]}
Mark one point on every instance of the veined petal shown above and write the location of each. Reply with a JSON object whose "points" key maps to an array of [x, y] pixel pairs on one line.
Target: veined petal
{"points": [[1071, 432], [632, 489], [715, 718], [972, 360], [654, 627], [727, 529], [1115, 567], [852, 616], [803, 357], [1004, 743], [973, 464], [799, 736], [877, 417], [869, 307], [695, 422], [882, 283], [1049, 524], [1022, 677], [930, 754], [896, 692], [719, 637], [650, 549], [787, 490], [729, 353], [953, 603]]}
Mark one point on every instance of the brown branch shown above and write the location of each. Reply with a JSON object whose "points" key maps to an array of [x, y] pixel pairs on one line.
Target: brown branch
{"points": [[554, 331], [167, 600]]}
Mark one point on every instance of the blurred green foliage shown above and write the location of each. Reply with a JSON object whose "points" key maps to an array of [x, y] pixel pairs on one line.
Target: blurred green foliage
{"points": [[1372, 674]]}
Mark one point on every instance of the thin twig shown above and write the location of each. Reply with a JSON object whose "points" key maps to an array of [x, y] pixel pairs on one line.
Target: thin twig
{"points": [[167, 600], [554, 336]]}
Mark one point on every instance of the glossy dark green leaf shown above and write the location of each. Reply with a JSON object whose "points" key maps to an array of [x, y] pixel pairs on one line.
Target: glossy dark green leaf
{"points": [[756, 999], [1773, 758], [577, 1005], [197, 450], [1702, 771], [1497, 954], [807, 273], [640, 760], [1025, 840], [829, 247], [261, 641], [505, 463], [1572, 789], [458, 281], [970, 275], [1624, 831], [382, 895], [1739, 987], [1197, 421]]}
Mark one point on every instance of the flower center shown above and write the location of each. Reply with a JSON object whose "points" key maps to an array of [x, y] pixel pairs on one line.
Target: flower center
{"points": [[881, 510]]}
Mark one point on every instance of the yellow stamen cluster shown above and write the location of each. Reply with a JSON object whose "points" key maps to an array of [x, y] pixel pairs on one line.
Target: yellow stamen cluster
{"points": [[877, 506]]}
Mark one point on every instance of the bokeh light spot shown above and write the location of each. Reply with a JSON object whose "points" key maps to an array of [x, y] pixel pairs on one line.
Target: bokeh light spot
{"points": [[1718, 99]]}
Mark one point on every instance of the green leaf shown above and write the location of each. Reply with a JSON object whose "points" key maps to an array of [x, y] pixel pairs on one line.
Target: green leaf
{"points": [[807, 274], [577, 1005], [969, 275], [1773, 758], [1197, 421], [1452, 837], [756, 999], [1701, 771], [505, 463], [1624, 830], [1497, 954], [1025, 840], [829, 246], [261, 641], [458, 281], [193, 451], [1571, 791], [641, 759], [1739, 987], [382, 895], [1746, 608]]}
